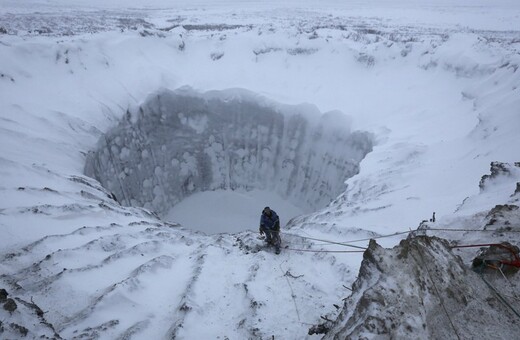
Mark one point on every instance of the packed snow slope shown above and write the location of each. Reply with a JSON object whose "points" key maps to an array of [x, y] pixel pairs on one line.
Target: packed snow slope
{"points": [[436, 84]]}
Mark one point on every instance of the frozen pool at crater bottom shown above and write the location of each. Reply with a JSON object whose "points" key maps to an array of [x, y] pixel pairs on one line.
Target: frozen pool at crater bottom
{"points": [[228, 211]]}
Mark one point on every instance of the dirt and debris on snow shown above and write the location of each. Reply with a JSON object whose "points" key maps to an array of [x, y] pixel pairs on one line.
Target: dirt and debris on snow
{"points": [[420, 289]]}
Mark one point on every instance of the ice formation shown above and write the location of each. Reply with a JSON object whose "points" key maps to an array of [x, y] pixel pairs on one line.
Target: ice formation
{"points": [[182, 142]]}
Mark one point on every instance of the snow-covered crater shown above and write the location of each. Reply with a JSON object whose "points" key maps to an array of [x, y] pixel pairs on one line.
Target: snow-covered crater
{"points": [[182, 142]]}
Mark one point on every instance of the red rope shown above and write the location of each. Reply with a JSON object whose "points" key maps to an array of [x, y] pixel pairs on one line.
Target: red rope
{"points": [[515, 262]]}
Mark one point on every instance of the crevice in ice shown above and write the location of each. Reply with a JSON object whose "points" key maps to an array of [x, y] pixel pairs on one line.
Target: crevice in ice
{"points": [[182, 142]]}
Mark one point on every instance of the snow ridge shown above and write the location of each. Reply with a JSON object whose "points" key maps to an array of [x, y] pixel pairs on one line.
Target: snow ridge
{"points": [[127, 262]]}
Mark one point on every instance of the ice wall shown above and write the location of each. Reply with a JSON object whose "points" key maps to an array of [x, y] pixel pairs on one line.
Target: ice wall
{"points": [[181, 142]]}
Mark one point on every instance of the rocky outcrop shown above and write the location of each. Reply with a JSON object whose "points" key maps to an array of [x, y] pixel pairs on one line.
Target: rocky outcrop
{"points": [[501, 215], [10, 305], [498, 169], [502, 255], [3, 295], [23, 319], [420, 290]]}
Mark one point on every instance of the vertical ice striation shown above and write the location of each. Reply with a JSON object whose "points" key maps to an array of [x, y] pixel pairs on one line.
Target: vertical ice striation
{"points": [[181, 142]]}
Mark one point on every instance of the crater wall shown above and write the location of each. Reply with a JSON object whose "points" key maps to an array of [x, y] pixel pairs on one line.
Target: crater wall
{"points": [[181, 142]]}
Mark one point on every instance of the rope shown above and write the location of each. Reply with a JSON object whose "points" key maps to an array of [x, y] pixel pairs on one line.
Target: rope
{"points": [[512, 297], [508, 281], [429, 229], [327, 251], [437, 293], [482, 245], [346, 243], [327, 241], [292, 293], [500, 297], [381, 236], [293, 296], [481, 230], [515, 262]]}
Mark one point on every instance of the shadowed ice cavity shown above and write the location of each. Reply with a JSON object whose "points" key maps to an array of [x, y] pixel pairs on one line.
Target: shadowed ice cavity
{"points": [[182, 142]]}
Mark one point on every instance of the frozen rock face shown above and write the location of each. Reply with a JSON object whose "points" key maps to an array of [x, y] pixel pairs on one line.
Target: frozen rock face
{"points": [[421, 290], [501, 185], [499, 169], [182, 142]]}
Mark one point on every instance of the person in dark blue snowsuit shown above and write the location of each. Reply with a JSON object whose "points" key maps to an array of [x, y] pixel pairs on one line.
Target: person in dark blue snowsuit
{"points": [[270, 226]]}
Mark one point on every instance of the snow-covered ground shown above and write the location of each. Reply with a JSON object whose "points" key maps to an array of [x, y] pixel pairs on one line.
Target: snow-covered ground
{"points": [[227, 210], [436, 83]]}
